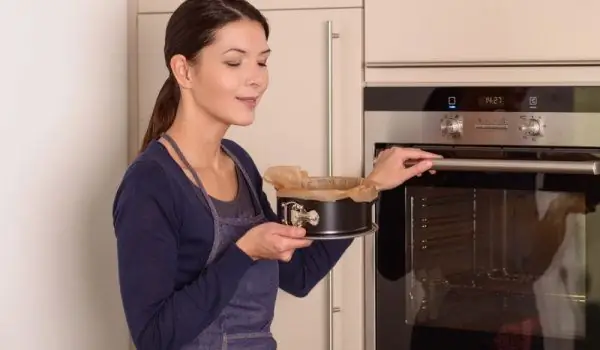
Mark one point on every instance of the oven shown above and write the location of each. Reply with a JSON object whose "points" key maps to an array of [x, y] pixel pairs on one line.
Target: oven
{"points": [[500, 249]]}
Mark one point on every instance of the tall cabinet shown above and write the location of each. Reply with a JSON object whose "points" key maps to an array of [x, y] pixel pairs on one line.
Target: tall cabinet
{"points": [[291, 128]]}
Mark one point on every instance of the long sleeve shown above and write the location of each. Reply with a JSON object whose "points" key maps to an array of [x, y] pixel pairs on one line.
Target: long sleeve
{"points": [[146, 222]]}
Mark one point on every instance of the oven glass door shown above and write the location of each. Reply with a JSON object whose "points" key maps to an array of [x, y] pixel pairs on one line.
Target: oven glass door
{"points": [[494, 256]]}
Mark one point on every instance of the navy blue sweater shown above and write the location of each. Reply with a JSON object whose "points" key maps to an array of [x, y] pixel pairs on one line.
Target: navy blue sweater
{"points": [[164, 236]]}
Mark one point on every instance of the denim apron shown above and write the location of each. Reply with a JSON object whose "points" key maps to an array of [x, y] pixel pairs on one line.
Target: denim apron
{"points": [[245, 323]]}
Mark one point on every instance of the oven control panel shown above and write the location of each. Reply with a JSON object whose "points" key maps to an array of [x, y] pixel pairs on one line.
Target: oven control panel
{"points": [[528, 126], [565, 116], [504, 128]]}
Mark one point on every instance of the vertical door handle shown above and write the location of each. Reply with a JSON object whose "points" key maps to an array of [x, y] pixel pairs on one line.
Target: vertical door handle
{"points": [[330, 36]]}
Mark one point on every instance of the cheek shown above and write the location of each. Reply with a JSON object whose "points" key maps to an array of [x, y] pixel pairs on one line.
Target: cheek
{"points": [[227, 83], [266, 80], [217, 84]]}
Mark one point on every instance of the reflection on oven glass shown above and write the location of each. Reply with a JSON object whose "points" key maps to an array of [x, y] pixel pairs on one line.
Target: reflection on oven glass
{"points": [[516, 255]]}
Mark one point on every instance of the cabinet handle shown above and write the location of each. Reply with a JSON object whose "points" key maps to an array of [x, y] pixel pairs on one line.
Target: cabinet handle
{"points": [[330, 36]]}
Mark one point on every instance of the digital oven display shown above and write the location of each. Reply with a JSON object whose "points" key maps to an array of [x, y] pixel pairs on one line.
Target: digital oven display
{"points": [[491, 102]]}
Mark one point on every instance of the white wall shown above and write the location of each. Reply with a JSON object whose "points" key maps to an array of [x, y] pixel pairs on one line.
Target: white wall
{"points": [[63, 148]]}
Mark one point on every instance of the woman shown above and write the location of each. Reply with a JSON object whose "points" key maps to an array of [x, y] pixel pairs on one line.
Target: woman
{"points": [[201, 255]]}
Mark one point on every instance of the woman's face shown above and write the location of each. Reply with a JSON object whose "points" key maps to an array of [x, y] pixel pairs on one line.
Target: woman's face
{"points": [[228, 78]]}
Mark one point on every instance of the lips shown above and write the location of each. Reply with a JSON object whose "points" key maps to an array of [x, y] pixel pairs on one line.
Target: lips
{"points": [[250, 102]]}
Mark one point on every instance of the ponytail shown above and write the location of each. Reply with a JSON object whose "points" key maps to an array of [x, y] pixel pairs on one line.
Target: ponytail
{"points": [[164, 111]]}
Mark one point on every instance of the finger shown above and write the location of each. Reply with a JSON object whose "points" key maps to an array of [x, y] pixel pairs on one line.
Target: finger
{"points": [[417, 169], [302, 243], [286, 256], [281, 229], [291, 231], [415, 153], [380, 155], [296, 243], [423, 166], [286, 244], [420, 151]]}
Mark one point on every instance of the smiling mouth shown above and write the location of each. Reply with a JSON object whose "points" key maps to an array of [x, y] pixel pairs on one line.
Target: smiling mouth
{"points": [[248, 101]]}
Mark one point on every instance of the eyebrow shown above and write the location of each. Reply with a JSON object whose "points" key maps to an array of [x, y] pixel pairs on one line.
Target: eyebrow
{"points": [[245, 52]]}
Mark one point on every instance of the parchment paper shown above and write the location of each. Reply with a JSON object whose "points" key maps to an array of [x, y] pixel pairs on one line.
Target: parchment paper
{"points": [[293, 182]]}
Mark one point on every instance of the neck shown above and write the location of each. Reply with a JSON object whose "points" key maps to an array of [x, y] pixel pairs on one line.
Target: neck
{"points": [[199, 136]]}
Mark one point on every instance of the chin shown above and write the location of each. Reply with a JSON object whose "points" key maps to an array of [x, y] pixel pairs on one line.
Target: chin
{"points": [[243, 120]]}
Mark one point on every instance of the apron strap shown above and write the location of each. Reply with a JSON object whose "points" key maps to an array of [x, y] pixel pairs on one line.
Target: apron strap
{"points": [[183, 159], [198, 188]]}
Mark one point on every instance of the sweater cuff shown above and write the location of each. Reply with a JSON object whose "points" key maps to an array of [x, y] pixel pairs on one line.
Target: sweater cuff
{"points": [[234, 259]]}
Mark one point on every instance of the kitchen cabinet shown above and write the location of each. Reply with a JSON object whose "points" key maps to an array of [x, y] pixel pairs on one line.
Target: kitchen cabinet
{"points": [[480, 32], [164, 6], [291, 129], [151, 68], [510, 76]]}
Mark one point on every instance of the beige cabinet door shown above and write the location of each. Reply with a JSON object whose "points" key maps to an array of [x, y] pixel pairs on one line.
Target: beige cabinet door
{"points": [[472, 31], [291, 128], [162, 6], [151, 68]]}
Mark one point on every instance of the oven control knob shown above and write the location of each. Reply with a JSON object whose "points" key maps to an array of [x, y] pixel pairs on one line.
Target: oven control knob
{"points": [[532, 127], [452, 126]]}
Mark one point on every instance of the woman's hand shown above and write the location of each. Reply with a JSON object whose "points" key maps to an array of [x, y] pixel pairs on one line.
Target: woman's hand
{"points": [[389, 170], [273, 241]]}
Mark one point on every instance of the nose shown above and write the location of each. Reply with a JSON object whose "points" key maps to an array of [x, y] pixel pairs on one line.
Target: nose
{"points": [[257, 77]]}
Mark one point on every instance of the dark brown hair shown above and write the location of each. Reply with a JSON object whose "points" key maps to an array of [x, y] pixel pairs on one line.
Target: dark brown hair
{"points": [[192, 27]]}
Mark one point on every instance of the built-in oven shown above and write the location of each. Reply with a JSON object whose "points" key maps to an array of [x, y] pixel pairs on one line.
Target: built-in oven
{"points": [[500, 248]]}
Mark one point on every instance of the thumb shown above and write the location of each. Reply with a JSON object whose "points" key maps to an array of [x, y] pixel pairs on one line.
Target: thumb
{"points": [[292, 231], [416, 169]]}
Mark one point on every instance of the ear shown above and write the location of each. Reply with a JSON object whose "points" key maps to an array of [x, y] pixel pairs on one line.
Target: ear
{"points": [[181, 70]]}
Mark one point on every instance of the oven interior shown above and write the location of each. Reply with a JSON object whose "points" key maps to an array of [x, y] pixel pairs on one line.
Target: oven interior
{"points": [[478, 245], [477, 252]]}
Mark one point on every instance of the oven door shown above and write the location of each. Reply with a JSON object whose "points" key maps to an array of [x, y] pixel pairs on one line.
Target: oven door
{"points": [[500, 249]]}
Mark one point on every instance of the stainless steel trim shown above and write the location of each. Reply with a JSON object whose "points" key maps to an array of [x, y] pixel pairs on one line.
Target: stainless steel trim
{"points": [[520, 166], [330, 36], [369, 257], [474, 64]]}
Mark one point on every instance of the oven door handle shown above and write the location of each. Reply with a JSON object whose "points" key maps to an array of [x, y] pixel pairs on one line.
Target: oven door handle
{"points": [[515, 166]]}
